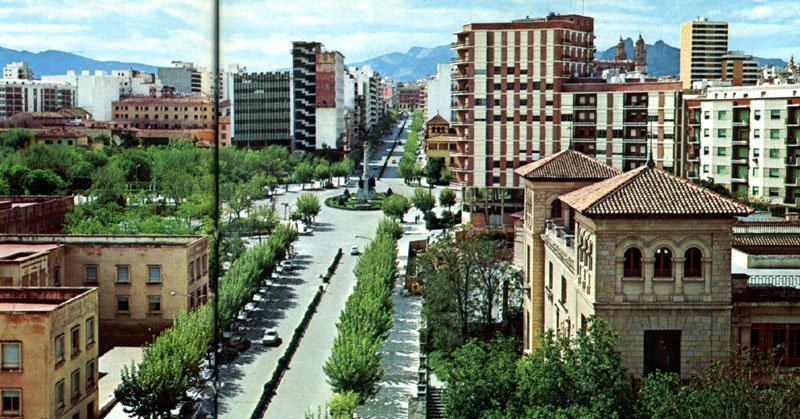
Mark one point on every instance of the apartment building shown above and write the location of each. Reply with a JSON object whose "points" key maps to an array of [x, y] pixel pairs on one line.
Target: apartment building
{"points": [[261, 107], [304, 58], [187, 78], [49, 353], [703, 43], [20, 95], [18, 70], [163, 113], [746, 138], [410, 98], [740, 69], [438, 91], [329, 100], [139, 293], [34, 214]]}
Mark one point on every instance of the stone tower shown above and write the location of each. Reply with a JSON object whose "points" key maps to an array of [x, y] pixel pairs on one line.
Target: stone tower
{"points": [[620, 55], [640, 56]]}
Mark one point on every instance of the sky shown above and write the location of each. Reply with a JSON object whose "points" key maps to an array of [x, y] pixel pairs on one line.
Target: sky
{"points": [[258, 33]]}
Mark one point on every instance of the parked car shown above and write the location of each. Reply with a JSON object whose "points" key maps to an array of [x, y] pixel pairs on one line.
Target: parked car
{"points": [[251, 306], [243, 316], [271, 338], [354, 250]]}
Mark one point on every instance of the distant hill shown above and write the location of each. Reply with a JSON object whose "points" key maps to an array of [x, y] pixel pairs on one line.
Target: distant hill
{"points": [[59, 62], [414, 64], [664, 59]]}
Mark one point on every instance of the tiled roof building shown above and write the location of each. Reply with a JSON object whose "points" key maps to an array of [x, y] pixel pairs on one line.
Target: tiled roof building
{"points": [[565, 165]]}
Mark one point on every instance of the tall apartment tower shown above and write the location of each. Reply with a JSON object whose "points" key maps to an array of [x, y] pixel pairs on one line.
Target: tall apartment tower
{"points": [[304, 69], [640, 56], [329, 99], [262, 109], [508, 79], [703, 43]]}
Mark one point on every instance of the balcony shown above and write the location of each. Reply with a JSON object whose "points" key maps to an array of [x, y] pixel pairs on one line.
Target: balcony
{"points": [[460, 76], [793, 120], [793, 161], [739, 178], [694, 121], [461, 92], [460, 123], [634, 106], [458, 45], [693, 157], [693, 139], [560, 236]]}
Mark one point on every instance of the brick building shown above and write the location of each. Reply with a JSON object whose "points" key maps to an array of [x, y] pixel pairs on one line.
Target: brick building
{"points": [[48, 353], [33, 214], [410, 98], [163, 113]]}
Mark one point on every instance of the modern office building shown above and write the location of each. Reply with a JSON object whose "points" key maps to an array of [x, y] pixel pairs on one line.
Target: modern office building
{"points": [[20, 95], [746, 138], [304, 67], [703, 43], [261, 109], [49, 353]]}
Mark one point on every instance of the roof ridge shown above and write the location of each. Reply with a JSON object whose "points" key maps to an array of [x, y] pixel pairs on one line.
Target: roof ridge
{"points": [[631, 175]]}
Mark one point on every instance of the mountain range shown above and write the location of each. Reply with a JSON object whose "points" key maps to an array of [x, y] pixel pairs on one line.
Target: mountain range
{"points": [[662, 60], [59, 62]]}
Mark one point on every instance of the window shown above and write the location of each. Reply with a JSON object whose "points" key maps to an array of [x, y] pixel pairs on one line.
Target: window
{"points": [[706, 115], [663, 263], [773, 192], [60, 395], [722, 151], [722, 133], [706, 132], [775, 114], [774, 172], [75, 384], [721, 170], [90, 374], [154, 303], [153, 274], [10, 353], [756, 133], [705, 168], [756, 152], [123, 274], [59, 349], [755, 190], [774, 153], [774, 134], [693, 262], [766, 338], [205, 264], [563, 291], [757, 115], [89, 331], [722, 115], [555, 209], [123, 305], [11, 402], [633, 263], [90, 274], [662, 351], [550, 275], [706, 150], [191, 272], [76, 336]]}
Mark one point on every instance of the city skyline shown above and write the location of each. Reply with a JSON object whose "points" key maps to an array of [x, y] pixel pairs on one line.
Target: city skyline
{"points": [[156, 32]]}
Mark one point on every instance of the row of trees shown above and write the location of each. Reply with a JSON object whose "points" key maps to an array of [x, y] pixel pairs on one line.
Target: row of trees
{"points": [[408, 167], [354, 365], [584, 378], [171, 363]]}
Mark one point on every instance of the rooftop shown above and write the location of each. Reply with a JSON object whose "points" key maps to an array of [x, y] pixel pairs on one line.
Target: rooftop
{"points": [[60, 132], [566, 165], [98, 239], [767, 243], [647, 191], [20, 252], [25, 300], [437, 120]]}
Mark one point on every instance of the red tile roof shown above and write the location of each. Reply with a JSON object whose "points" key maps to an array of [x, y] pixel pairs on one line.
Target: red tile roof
{"points": [[437, 120], [766, 244], [651, 192], [566, 165]]}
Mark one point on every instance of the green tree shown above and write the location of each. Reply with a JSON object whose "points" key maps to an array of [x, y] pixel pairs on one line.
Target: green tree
{"points": [[423, 200], [447, 198], [407, 168], [396, 206], [481, 377], [303, 173], [43, 182], [17, 138], [433, 170], [322, 172], [308, 207], [389, 228], [109, 185]]}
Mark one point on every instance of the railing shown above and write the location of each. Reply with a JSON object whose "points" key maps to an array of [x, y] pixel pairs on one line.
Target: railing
{"points": [[564, 237], [767, 228], [792, 281]]}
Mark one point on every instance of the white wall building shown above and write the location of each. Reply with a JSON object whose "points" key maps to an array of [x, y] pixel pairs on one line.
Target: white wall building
{"points": [[438, 101], [18, 95], [18, 70]]}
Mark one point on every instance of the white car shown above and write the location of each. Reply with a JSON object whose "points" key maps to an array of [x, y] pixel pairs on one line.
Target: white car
{"points": [[250, 306], [257, 297], [243, 316], [354, 250], [271, 338]]}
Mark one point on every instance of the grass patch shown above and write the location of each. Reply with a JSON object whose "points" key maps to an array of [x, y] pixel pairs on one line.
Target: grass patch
{"points": [[350, 203]]}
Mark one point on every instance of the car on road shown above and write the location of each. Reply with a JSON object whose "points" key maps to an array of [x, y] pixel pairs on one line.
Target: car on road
{"points": [[251, 306], [354, 250], [271, 338], [394, 161], [243, 316], [258, 297]]}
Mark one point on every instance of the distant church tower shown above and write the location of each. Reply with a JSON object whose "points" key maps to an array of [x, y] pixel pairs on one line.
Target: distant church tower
{"points": [[620, 55], [640, 56]]}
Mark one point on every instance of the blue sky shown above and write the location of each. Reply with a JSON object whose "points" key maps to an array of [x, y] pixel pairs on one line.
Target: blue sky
{"points": [[258, 33]]}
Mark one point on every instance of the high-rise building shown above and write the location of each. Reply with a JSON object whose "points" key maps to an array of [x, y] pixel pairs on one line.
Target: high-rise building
{"points": [[187, 78], [740, 69], [329, 100], [18, 70], [703, 43], [746, 138], [522, 92], [20, 95], [439, 99], [261, 106], [304, 68]]}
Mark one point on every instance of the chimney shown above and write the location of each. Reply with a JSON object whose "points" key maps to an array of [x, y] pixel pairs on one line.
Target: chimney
{"points": [[793, 217]]}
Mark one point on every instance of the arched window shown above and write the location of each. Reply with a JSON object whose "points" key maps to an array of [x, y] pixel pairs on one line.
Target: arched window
{"points": [[663, 266], [555, 209], [633, 262], [693, 262]]}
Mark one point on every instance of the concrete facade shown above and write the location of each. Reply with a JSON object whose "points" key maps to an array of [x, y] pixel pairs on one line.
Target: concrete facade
{"points": [[703, 43], [18, 95], [163, 113], [262, 108], [33, 214], [49, 337]]}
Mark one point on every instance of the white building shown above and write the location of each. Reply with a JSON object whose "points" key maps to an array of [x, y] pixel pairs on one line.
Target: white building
{"points": [[18, 95], [746, 138], [330, 99], [438, 101], [18, 70]]}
